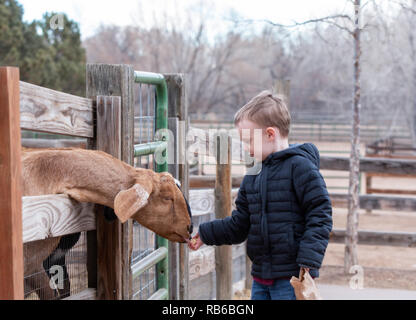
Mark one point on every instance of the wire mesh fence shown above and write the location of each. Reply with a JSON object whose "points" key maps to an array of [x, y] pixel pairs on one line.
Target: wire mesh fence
{"points": [[58, 269], [144, 240]]}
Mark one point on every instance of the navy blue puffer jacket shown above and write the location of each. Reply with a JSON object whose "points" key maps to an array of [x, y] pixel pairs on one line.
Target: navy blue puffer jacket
{"points": [[283, 210]]}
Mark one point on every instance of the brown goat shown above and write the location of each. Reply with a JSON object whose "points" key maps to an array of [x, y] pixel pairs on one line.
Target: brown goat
{"points": [[152, 199]]}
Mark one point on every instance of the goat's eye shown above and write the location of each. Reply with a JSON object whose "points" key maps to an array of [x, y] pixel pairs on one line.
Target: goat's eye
{"points": [[168, 199]]}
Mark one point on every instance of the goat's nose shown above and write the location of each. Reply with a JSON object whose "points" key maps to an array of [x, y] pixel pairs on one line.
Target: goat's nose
{"points": [[190, 228]]}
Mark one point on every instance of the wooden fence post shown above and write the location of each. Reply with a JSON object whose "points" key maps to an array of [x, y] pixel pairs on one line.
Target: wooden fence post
{"points": [[173, 126], [115, 80], [178, 108], [223, 254], [11, 234], [109, 238]]}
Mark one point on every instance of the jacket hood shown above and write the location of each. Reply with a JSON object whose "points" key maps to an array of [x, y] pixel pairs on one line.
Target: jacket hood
{"points": [[307, 150]]}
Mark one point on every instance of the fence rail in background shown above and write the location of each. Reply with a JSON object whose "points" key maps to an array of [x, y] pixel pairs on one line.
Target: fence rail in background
{"points": [[389, 148], [330, 131]]}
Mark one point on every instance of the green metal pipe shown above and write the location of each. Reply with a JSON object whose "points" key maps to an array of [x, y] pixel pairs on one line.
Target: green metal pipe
{"points": [[161, 294], [161, 135], [149, 148], [149, 261]]}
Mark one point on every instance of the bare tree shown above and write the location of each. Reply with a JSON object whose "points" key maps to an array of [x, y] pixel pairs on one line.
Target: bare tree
{"points": [[351, 239]]}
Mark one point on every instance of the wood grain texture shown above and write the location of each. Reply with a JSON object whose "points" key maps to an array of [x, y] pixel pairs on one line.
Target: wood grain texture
{"points": [[201, 182], [55, 215], [178, 108], [87, 294], [49, 143], [376, 202], [115, 80], [379, 165], [202, 271], [202, 201], [11, 244], [173, 168], [118, 80], [202, 262], [109, 235], [51, 111], [380, 238], [223, 255]]}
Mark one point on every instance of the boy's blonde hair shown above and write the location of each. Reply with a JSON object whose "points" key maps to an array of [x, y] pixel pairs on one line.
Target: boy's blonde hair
{"points": [[267, 110]]}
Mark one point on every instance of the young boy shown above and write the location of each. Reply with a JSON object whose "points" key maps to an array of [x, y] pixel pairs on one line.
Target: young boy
{"points": [[284, 211]]}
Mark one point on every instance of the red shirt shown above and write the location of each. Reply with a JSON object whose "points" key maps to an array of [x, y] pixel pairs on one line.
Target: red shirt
{"points": [[269, 282]]}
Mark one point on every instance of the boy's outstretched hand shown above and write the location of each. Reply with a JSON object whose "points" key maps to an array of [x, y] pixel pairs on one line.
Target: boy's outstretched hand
{"points": [[195, 243]]}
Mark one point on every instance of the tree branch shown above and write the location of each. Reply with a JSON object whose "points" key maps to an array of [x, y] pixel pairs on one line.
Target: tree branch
{"points": [[327, 19], [404, 7]]}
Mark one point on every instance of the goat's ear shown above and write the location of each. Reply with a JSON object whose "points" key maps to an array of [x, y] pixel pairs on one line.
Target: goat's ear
{"points": [[128, 202]]}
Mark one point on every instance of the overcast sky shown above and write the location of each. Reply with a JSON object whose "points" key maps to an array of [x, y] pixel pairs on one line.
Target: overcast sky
{"points": [[91, 13]]}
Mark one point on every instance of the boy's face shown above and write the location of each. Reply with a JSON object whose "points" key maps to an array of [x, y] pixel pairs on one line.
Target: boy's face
{"points": [[258, 141]]}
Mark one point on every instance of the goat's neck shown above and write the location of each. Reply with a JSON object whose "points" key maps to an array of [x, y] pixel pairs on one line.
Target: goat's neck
{"points": [[85, 175]]}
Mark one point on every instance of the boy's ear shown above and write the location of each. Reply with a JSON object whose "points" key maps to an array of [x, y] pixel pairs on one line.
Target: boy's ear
{"points": [[273, 132], [128, 202]]}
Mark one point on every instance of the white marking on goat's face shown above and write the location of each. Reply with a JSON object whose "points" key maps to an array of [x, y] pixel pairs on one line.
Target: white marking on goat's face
{"points": [[142, 195]]}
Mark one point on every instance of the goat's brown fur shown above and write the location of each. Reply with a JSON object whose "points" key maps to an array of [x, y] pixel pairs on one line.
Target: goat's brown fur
{"points": [[148, 197]]}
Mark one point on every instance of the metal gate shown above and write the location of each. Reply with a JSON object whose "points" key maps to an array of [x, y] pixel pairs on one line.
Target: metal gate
{"points": [[149, 267]]}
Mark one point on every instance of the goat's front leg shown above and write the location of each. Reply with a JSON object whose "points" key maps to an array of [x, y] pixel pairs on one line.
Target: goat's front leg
{"points": [[40, 284]]}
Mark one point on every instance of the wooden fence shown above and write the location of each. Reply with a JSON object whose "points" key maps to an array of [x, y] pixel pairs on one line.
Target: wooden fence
{"points": [[318, 130], [392, 149], [103, 121]]}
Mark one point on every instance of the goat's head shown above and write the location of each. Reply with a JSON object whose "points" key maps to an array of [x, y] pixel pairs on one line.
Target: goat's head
{"points": [[156, 201]]}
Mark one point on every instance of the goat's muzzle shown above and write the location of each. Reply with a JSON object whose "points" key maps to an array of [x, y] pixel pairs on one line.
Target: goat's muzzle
{"points": [[190, 228]]}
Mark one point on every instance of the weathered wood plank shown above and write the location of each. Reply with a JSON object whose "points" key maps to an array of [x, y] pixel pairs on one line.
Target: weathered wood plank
{"points": [[173, 154], [205, 182], [118, 80], [109, 235], [380, 238], [202, 288], [376, 202], [202, 201], [52, 143], [11, 245], [178, 107], [202, 262], [51, 111], [379, 165], [55, 215], [391, 191], [87, 294], [223, 256]]}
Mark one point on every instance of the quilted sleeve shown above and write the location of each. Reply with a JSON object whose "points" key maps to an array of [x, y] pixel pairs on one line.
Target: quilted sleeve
{"points": [[231, 230], [314, 201]]}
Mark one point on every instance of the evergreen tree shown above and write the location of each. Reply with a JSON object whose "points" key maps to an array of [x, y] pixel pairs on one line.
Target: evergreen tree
{"points": [[49, 57]]}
